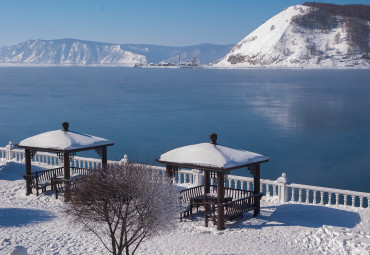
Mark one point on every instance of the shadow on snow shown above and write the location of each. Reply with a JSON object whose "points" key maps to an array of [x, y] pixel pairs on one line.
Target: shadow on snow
{"points": [[312, 216], [18, 217], [12, 171]]}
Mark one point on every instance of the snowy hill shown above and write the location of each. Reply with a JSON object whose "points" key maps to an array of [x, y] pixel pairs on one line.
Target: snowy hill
{"points": [[303, 36], [78, 52]]}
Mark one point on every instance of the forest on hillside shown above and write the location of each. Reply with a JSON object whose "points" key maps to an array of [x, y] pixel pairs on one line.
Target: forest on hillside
{"points": [[325, 17]]}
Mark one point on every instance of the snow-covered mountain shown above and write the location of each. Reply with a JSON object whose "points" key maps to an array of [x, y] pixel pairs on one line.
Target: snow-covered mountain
{"points": [[303, 36], [78, 52], [68, 51]]}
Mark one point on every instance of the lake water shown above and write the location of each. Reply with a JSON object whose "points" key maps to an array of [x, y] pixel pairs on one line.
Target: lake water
{"points": [[313, 124]]}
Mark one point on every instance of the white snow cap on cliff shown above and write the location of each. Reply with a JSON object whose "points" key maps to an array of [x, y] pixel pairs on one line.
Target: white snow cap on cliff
{"points": [[280, 42]]}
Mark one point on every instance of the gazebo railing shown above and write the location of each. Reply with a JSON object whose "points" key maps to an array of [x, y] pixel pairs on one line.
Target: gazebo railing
{"points": [[42, 179], [187, 194], [236, 208]]}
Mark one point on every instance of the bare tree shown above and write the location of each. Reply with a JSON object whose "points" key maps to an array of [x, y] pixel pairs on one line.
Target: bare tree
{"points": [[124, 205]]}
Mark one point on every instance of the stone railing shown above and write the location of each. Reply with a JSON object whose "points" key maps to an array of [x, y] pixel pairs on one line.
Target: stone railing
{"points": [[280, 190]]}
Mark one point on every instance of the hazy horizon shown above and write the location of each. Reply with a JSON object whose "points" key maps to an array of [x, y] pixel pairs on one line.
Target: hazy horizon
{"points": [[165, 23]]}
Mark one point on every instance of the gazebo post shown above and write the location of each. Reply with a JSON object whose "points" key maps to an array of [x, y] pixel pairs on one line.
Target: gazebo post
{"points": [[256, 189], [220, 201], [206, 181], [104, 157], [67, 169], [28, 159]]}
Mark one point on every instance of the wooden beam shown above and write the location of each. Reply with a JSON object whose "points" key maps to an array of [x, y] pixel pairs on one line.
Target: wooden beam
{"points": [[220, 201], [104, 157], [202, 167], [168, 171], [256, 189], [28, 159], [207, 182], [67, 169]]}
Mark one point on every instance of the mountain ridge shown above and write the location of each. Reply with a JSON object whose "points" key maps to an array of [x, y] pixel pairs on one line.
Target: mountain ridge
{"points": [[69, 51]]}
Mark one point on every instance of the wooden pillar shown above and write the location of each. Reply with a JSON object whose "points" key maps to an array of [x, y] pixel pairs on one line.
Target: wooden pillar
{"points": [[220, 201], [67, 169], [28, 159], [207, 181], [104, 158], [256, 190], [168, 171]]}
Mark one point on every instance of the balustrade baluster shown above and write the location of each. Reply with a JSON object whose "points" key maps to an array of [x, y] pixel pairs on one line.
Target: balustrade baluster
{"points": [[300, 195], [314, 197], [241, 185], [229, 182], [307, 196], [353, 201], [336, 198], [292, 198], [361, 202], [344, 199], [248, 185], [321, 197], [329, 198], [274, 188], [267, 189]]}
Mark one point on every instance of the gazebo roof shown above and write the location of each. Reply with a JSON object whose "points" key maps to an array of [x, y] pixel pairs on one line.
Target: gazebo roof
{"points": [[211, 156], [63, 140]]}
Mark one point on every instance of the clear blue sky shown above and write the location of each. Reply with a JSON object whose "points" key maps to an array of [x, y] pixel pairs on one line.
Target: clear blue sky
{"points": [[162, 22]]}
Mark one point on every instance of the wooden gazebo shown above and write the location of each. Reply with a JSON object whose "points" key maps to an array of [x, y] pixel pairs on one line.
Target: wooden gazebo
{"points": [[216, 160], [65, 143]]}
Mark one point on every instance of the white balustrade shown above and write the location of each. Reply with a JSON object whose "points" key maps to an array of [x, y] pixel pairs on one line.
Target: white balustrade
{"points": [[357, 198], [279, 188]]}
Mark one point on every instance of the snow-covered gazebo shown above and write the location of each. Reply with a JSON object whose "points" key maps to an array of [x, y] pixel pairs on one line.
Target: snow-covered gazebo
{"points": [[216, 159], [65, 143]]}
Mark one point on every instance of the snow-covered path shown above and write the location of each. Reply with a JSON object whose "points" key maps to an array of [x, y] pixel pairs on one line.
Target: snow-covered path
{"points": [[37, 224]]}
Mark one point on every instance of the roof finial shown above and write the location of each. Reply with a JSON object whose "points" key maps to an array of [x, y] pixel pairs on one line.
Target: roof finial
{"points": [[65, 126], [213, 138]]}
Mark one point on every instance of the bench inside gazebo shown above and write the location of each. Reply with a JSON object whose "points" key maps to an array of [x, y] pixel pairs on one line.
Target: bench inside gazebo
{"points": [[220, 203], [65, 144]]}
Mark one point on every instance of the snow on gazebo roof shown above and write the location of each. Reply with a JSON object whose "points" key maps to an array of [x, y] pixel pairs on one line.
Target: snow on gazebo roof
{"points": [[63, 140], [211, 156]]}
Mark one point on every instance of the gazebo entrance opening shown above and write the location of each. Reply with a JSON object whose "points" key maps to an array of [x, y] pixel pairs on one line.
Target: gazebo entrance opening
{"points": [[216, 162], [65, 144]]}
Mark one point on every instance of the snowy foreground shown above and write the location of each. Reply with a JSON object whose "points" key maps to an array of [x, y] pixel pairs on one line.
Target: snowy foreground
{"points": [[38, 225]]}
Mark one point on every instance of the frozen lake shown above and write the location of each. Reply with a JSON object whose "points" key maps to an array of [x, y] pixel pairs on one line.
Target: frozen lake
{"points": [[313, 124]]}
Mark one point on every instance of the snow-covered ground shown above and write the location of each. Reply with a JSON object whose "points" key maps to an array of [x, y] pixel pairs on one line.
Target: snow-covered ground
{"points": [[38, 225]]}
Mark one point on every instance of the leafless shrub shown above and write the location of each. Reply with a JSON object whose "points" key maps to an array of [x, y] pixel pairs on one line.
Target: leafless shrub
{"points": [[124, 205]]}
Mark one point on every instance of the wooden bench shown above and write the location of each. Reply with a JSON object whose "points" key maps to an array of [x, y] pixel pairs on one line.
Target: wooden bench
{"points": [[236, 208], [43, 179], [185, 196], [65, 186], [40, 180], [236, 203]]}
